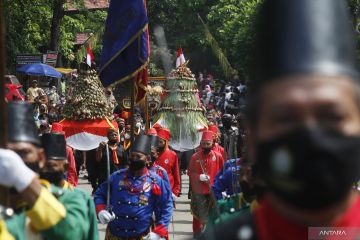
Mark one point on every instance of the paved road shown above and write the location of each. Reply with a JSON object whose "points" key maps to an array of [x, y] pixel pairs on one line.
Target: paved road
{"points": [[182, 216]]}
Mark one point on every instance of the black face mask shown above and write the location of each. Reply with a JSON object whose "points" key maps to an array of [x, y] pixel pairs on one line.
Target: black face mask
{"points": [[34, 166], [136, 164], [309, 168], [54, 177], [151, 162], [112, 142], [160, 149], [207, 150]]}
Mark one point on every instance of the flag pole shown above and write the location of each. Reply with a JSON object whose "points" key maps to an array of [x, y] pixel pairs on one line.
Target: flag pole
{"points": [[3, 117], [4, 200], [147, 113], [132, 119]]}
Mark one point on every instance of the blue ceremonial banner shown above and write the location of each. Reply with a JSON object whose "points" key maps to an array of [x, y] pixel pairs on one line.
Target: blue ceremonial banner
{"points": [[125, 43]]}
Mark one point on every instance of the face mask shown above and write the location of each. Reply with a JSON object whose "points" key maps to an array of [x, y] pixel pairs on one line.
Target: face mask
{"points": [[33, 166], [112, 142], [160, 149], [309, 168], [138, 125], [54, 177], [150, 163], [127, 136], [206, 150], [136, 164]]}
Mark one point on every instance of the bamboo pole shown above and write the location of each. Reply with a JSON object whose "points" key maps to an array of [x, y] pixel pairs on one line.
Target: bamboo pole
{"points": [[147, 113], [132, 119], [4, 200]]}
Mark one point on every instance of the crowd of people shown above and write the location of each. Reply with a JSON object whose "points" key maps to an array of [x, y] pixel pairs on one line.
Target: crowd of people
{"points": [[135, 187], [271, 167], [47, 104]]}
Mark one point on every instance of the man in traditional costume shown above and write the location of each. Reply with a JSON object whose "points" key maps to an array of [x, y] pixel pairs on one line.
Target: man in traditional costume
{"points": [[152, 166], [56, 164], [304, 121], [44, 209], [72, 177], [135, 194], [117, 156], [203, 167], [168, 159]]}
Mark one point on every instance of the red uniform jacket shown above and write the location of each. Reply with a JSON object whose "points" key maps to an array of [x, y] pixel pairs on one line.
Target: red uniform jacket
{"points": [[169, 161], [219, 149], [72, 174], [212, 164], [271, 225]]}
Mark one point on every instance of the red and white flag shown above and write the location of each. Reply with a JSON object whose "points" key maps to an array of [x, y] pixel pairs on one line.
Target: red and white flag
{"points": [[89, 56], [180, 60]]}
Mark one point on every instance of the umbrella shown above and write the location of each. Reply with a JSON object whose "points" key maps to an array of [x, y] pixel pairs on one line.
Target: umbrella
{"points": [[39, 69], [88, 134]]}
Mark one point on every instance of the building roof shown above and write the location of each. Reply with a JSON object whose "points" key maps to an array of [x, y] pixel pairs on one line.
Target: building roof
{"points": [[89, 4]]}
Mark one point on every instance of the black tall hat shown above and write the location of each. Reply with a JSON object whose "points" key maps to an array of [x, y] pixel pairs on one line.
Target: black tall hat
{"points": [[153, 140], [142, 144], [304, 37], [21, 123], [54, 145]]}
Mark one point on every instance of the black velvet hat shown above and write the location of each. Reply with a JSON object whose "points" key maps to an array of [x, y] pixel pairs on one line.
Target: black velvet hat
{"points": [[153, 140], [142, 144], [54, 145], [304, 37], [21, 123]]}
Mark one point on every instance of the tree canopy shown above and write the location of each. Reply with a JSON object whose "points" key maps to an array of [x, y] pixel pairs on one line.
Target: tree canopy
{"points": [[29, 26], [230, 23]]}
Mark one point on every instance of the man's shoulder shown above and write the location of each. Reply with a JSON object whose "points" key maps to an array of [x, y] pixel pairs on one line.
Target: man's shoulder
{"points": [[160, 168], [77, 193], [119, 172], [168, 151], [217, 154], [154, 176], [232, 162], [196, 154]]}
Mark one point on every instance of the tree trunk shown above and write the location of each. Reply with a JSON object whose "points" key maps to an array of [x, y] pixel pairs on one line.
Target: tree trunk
{"points": [[4, 200], [58, 14]]}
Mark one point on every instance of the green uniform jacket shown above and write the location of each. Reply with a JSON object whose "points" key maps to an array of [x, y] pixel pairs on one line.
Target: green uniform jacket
{"points": [[78, 222], [228, 209]]}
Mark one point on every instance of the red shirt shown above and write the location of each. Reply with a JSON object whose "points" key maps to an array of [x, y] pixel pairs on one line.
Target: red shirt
{"points": [[220, 150], [72, 174], [169, 161], [212, 163], [273, 226]]}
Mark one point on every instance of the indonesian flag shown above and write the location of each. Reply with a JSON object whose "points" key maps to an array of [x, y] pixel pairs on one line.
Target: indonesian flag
{"points": [[88, 134], [180, 60], [89, 56]]}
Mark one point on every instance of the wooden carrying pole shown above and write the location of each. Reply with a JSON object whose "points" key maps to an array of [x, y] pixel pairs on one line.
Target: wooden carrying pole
{"points": [[132, 119], [3, 113]]}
